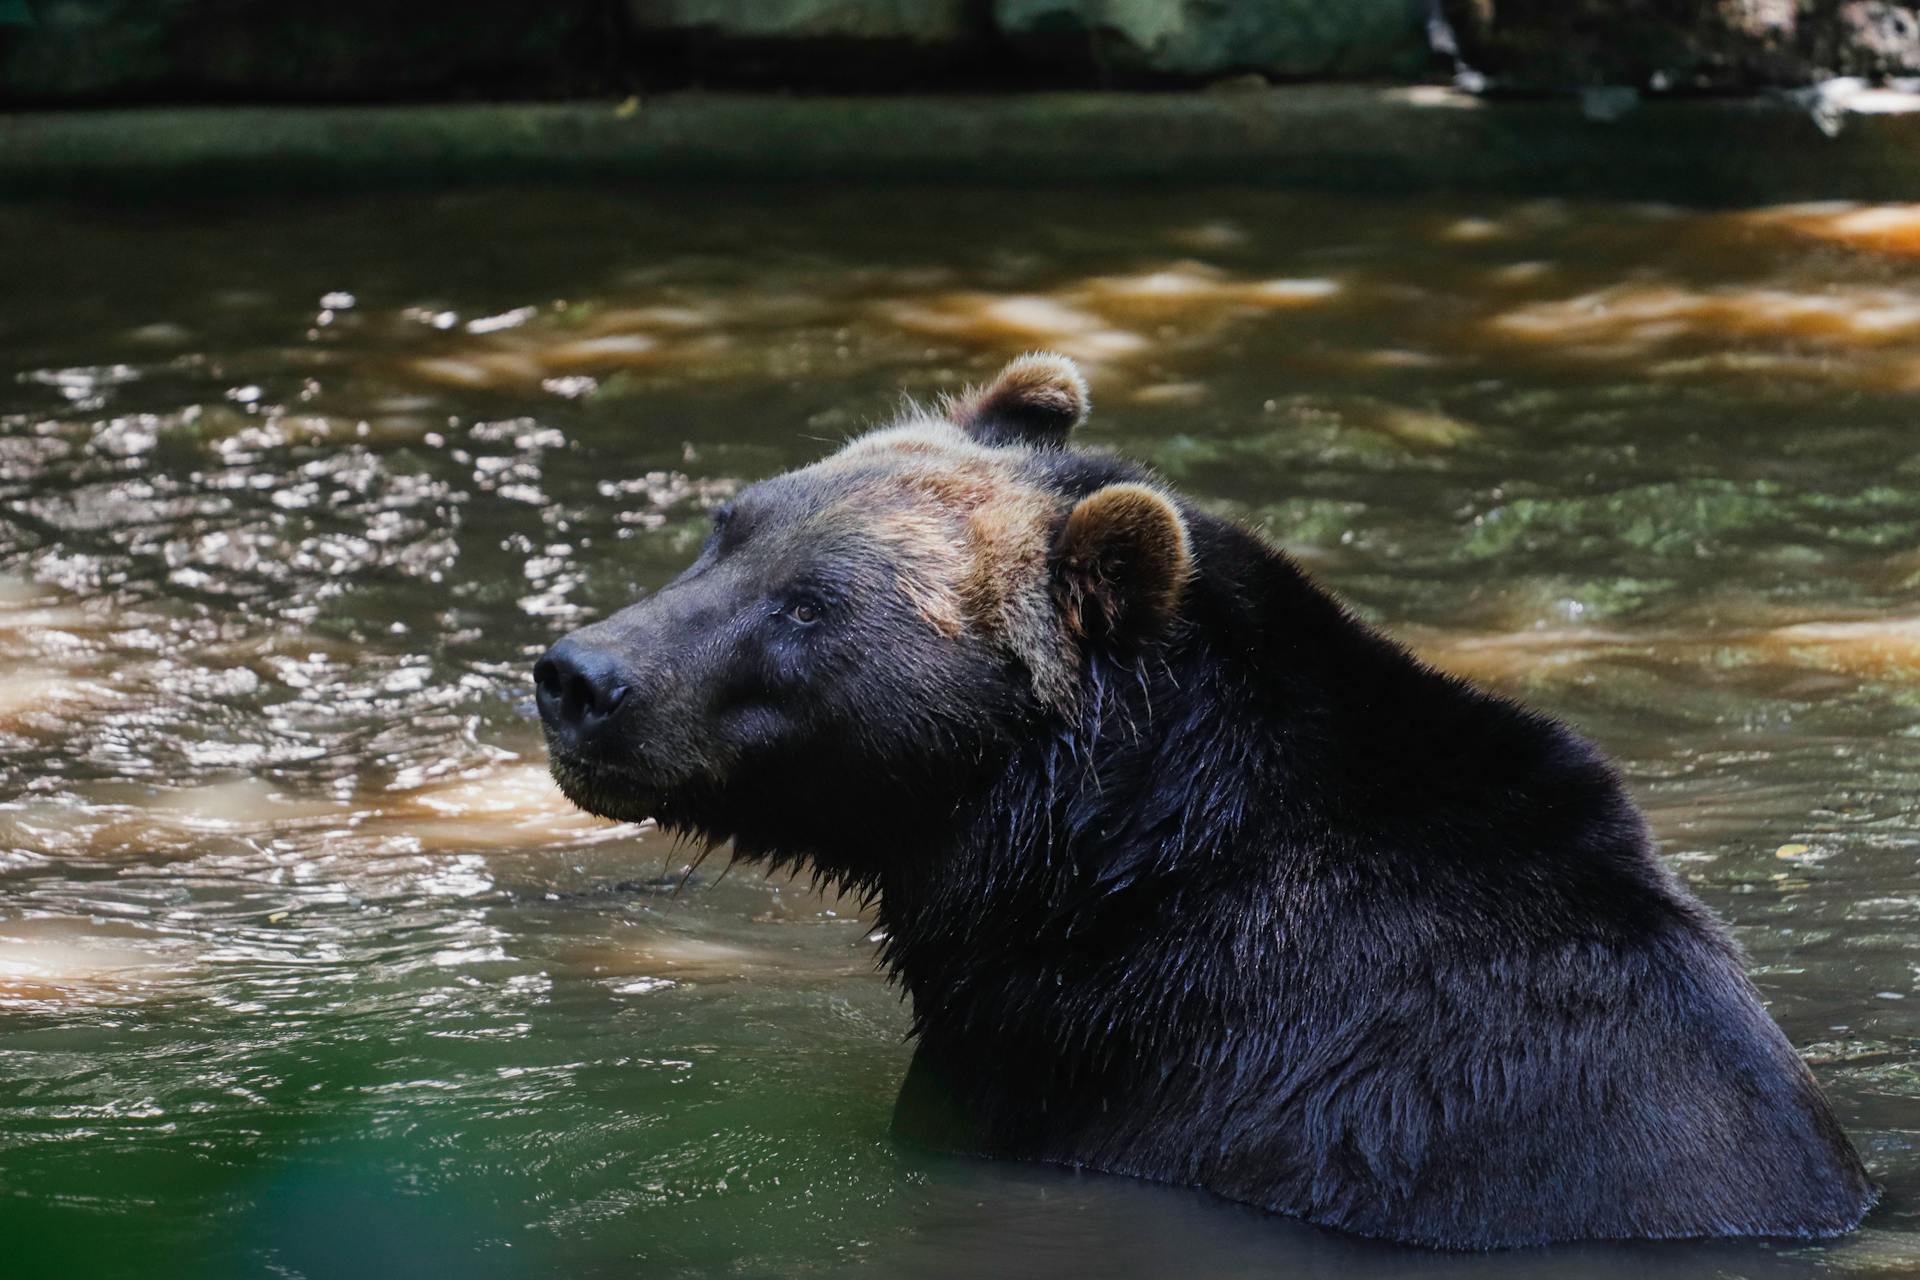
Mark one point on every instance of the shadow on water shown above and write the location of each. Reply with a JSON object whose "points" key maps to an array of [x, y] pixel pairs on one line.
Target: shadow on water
{"points": [[1033, 1223], [306, 969]]}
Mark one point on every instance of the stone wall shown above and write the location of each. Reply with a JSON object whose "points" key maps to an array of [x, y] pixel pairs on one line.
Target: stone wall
{"points": [[83, 51]]}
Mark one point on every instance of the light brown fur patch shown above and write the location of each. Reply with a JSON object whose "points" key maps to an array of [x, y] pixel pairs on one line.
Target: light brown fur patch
{"points": [[1007, 588], [969, 532]]}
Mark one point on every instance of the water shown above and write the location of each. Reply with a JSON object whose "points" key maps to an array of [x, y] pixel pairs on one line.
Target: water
{"points": [[305, 969]]}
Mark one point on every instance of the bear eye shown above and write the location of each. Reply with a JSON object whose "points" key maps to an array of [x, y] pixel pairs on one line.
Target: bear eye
{"points": [[804, 612]]}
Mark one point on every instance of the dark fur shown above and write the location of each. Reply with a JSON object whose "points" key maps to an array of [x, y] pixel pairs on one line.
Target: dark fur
{"points": [[1293, 918], [1285, 914]]}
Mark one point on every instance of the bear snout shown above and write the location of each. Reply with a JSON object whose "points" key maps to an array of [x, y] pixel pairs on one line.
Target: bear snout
{"points": [[580, 689]]}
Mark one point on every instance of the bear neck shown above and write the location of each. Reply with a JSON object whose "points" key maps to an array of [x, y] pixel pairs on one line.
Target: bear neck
{"points": [[1062, 853], [1108, 834]]}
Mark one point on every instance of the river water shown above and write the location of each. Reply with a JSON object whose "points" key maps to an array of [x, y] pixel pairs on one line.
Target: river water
{"points": [[305, 968]]}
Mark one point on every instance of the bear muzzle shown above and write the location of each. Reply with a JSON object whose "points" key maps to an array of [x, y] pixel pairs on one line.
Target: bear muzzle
{"points": [[623, 734]]}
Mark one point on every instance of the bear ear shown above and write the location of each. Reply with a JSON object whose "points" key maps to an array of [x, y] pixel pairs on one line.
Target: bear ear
{"points": [[1121, 563], [1037, 400]]}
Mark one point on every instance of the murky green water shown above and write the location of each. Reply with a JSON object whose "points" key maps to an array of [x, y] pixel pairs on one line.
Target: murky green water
{"points": [[306, 970]]}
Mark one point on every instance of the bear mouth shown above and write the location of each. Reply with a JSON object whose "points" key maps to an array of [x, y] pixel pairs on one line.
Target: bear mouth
{"points": [[602, 792]]}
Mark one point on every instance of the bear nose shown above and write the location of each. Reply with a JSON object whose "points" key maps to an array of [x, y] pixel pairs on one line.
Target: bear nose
{"points": [[578, 689]]}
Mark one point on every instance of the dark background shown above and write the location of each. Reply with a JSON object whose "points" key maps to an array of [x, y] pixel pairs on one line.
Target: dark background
{"points": [[75, 52]]}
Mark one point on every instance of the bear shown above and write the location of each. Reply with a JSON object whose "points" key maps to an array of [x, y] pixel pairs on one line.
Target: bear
{"points": [[1187, 873]]}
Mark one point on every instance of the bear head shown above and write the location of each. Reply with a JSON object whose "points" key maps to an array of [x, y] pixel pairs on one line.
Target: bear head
{"points": [[860, 641]]}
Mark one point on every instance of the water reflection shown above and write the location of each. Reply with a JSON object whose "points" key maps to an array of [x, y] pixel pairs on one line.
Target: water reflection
{"points": [[293, 926]]}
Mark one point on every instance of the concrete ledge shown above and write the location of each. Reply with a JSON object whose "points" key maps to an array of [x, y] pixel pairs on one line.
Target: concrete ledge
{"points": [[1329, 137]]}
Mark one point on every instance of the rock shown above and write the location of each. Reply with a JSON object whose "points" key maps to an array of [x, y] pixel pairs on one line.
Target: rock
{"points": [[928, 22], [1686, 45], [1875, 39], [1196, 40], [808, 43]]}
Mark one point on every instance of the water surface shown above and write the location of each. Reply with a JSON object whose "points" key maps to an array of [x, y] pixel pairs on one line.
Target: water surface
{"points": [[305, 968]]}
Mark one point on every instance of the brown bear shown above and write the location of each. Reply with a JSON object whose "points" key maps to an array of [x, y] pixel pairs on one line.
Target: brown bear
{"points": [[1188, 873]]}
